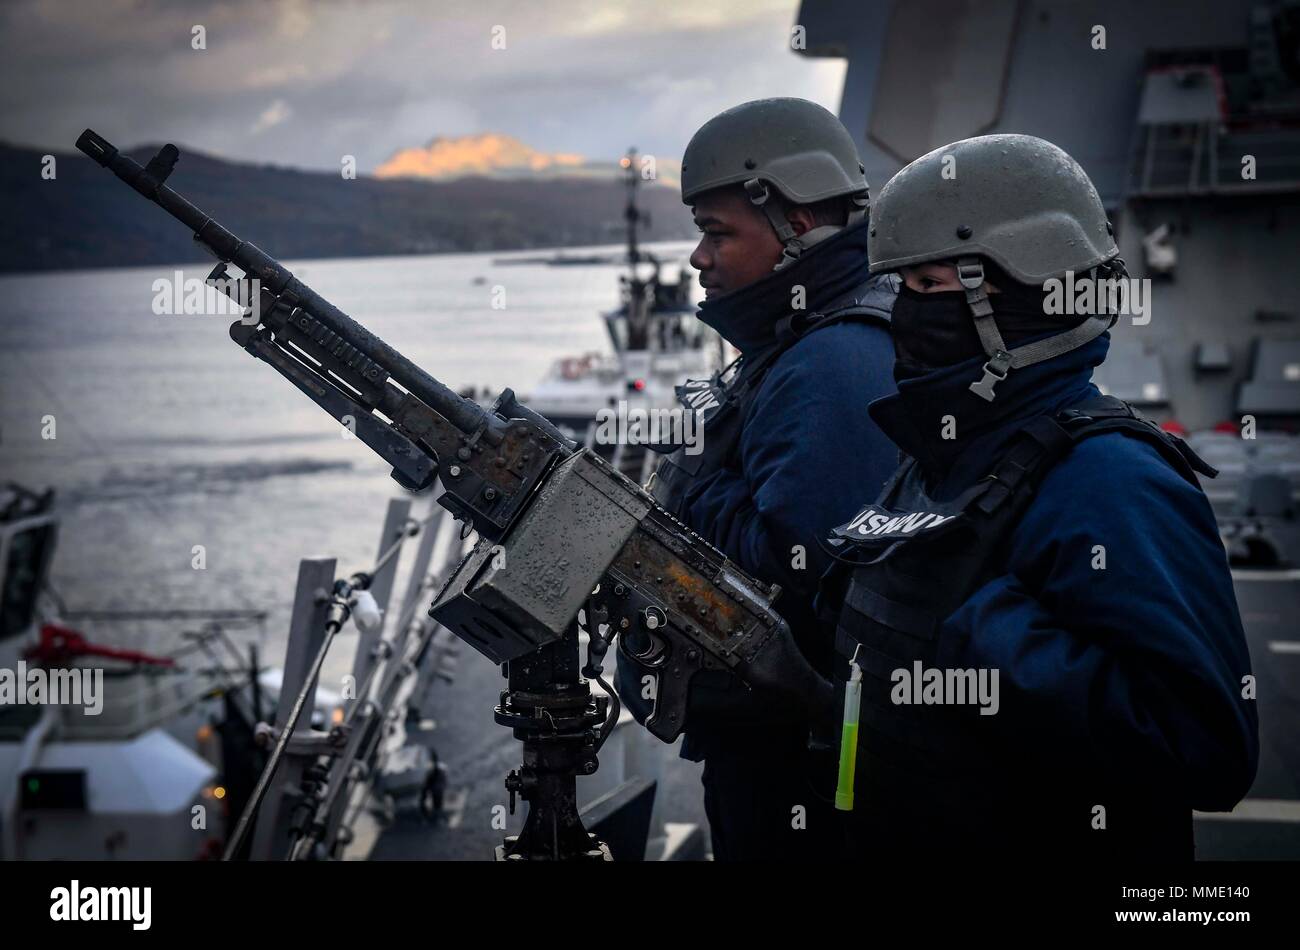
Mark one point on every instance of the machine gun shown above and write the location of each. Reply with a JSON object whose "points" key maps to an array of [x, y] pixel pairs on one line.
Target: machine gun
{"points": [[560, 531]]}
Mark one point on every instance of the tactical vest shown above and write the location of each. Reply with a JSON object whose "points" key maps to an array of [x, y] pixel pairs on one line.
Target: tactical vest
{"points": [[723, 400], [722, 403], [934, 772]]}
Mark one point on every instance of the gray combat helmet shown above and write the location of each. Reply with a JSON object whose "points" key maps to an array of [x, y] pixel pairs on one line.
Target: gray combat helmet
{"points": [[1017, 200], [784, 152]]}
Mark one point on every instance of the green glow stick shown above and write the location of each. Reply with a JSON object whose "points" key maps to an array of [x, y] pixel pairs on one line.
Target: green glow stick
{"points": [[849, 736]]}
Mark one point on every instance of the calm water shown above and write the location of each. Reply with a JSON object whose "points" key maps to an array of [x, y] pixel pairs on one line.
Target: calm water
{"points": [[169, 436]]}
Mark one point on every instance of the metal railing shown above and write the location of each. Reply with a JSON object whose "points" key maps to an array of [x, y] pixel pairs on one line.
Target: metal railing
{"points": [[301, 801], [1207, 158]]}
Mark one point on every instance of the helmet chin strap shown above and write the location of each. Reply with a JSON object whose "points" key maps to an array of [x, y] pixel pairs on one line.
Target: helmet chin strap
{"points": [[970, 272], [793, 245]]}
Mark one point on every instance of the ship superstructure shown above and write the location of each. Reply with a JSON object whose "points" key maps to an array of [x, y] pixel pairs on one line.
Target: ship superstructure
{"points": [[1186, 115]]}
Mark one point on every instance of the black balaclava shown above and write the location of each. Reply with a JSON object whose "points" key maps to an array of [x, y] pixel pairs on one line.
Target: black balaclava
{"points": [[936, 329], [747, 317]]}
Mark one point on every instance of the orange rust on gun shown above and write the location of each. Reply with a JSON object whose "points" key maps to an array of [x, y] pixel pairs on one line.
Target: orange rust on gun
{"points": [[723, 615]]}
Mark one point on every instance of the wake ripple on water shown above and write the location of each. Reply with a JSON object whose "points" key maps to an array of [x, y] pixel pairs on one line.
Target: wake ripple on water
{"points": [[155, 480]]}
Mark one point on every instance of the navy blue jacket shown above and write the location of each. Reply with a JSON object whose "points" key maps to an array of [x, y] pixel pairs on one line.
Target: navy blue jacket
{"points": [[807, 449], [1132, 675]]}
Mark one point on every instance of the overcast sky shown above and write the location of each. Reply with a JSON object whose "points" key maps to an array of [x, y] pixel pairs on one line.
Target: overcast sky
{"points": [[302, 84]]}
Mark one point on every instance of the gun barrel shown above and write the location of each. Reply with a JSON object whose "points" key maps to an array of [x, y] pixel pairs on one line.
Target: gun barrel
{"points": [[466, 415]]}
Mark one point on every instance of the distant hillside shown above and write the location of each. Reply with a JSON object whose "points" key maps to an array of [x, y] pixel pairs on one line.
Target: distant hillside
{"points": [[87, 218]]}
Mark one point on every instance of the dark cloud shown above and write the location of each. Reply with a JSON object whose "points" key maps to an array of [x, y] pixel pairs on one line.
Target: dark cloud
{"points": [[294, 83]]}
